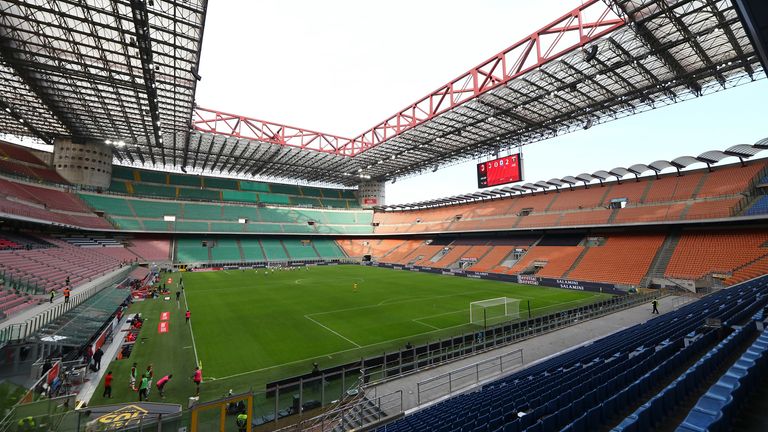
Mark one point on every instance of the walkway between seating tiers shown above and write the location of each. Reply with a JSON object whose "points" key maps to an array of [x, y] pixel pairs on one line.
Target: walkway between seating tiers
{"points": [[535, 349]]}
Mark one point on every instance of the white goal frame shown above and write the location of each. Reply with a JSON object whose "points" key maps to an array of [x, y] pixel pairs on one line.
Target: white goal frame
{"points": [[511, 310]]}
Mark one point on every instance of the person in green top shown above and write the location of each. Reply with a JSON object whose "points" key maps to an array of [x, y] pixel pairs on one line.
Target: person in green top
{"points": [[143, 389], [242, 422], [26, 424]]}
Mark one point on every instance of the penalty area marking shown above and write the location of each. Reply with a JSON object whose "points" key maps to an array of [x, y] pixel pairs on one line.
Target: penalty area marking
{"points": [[333, 331]]}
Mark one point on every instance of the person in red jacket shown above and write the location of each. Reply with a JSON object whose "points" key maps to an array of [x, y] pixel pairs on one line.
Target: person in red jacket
{"points": [[187, 315], [197, 378], [161, 384], [108, 385]]}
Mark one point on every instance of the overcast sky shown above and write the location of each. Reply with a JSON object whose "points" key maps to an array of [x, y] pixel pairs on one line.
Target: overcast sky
{"points": [[342, 66]]}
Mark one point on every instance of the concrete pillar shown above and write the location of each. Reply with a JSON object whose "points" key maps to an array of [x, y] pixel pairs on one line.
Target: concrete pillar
{"points": [[372, 194], [88, 164]]}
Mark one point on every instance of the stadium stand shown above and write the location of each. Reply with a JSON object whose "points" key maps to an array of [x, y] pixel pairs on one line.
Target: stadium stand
{"points": [[20, 161], [608, 262], [689, 195], [147, 183], [147, 215], [48, 267], [701, 253], [586, 388], [758, 207], [547, 261], [150, 249]]}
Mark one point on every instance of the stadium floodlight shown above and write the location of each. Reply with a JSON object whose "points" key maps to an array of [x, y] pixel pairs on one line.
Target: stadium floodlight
{"points": [[494, 311]]}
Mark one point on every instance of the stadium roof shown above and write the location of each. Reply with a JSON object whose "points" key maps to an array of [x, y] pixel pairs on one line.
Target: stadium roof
{"points": [[598, 62], [108, 70], [740, 151]]}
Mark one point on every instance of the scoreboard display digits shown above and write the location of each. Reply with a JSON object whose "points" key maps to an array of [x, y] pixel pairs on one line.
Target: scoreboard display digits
{"points": [[508, 169]]}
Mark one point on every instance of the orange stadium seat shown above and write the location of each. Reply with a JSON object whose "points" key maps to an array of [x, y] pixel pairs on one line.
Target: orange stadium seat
{"points": [[700, 253], [730, 180], [595, 217], [581, 198], [493, 258], [672, 187], [609, 262], [558, 260]]}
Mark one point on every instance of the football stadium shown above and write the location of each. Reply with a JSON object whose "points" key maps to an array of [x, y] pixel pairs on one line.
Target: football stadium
{"points": [[169, 266]]}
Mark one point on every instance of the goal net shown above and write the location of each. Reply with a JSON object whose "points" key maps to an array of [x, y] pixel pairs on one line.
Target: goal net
{"points": [[494, 311]]}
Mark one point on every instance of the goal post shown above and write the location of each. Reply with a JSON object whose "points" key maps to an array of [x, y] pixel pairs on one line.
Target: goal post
{"points": [[494, 311]]}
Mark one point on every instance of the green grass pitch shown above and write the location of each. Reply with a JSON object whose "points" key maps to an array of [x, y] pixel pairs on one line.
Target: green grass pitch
{"points": [[250, 328]]}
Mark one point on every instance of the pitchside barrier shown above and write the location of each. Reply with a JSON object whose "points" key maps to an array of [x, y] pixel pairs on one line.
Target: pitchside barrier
{"points": [[245, 265], [307, 394], [521, 279]]}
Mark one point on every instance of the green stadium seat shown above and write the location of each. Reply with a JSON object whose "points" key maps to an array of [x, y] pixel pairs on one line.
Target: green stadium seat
{"points": [[144, 189], [300, 201], [239, 196], [118, 186], [200, 194], [269, 198], [299, 250], [155, 209], [225, 250], [156, 225], [285, 189], [252, 249], [233, 213], [253, 186], [364, 217], [148, 176], [348, 194], [185, 180], [121, 172], [112, 206], [334, 203], [312, 192], [264, 228], [274, 249], [202, 211], [227, 227], [191, 250], [298, 228], [327, 249], [275, 215], [127, 224], [219, 183], [186, 226], [341, 218]]}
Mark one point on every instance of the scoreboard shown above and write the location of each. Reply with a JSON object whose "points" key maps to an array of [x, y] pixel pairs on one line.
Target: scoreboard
{"points": [[508, 169]]}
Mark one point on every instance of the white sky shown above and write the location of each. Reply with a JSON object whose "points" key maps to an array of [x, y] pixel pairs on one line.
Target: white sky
{"points": [[341, 66]]}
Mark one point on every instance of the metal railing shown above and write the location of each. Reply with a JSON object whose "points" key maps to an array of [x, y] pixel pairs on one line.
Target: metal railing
{"points": [[394, 365], [361, 412], [20, 331], [22, 284], [466, 376]]}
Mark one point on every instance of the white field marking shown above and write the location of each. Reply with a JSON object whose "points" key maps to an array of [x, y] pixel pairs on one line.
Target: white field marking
{"points": [[337, 352], [411, 300], [188, 347], [425, 324], [194, 347], [333, 331], [329, 355], [226, 271]]}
